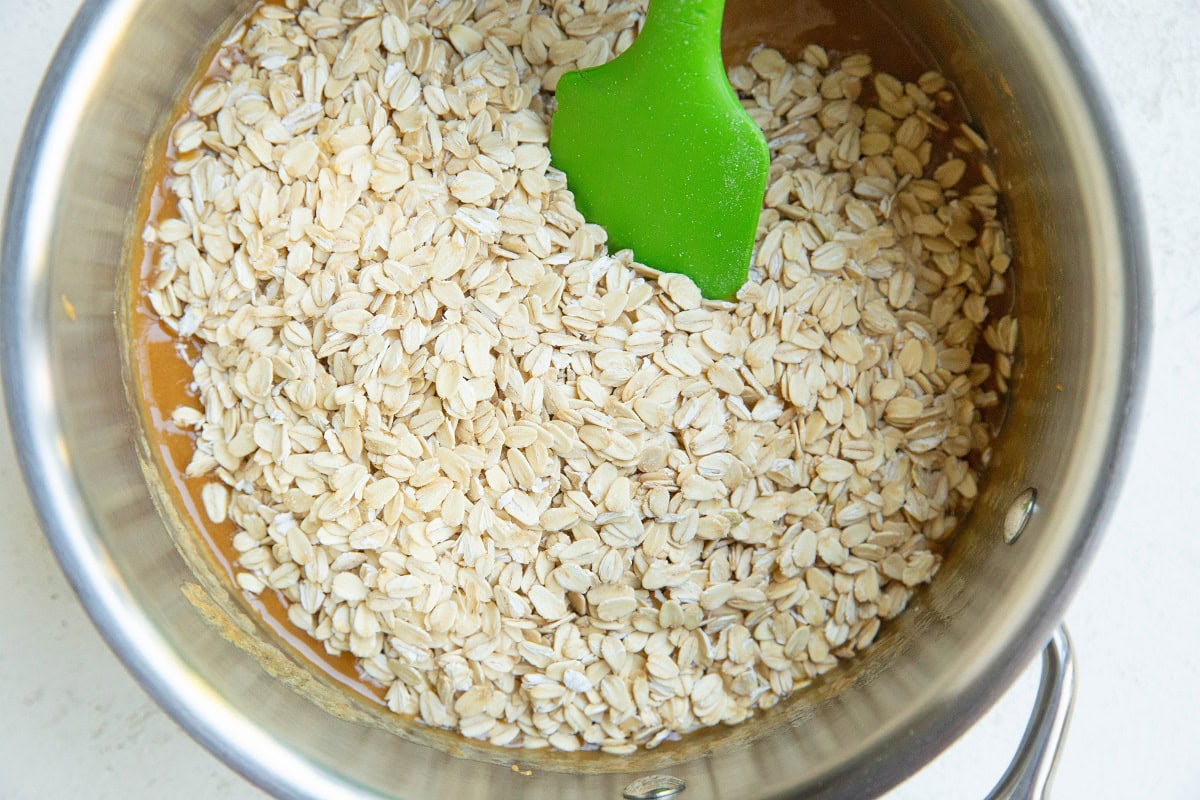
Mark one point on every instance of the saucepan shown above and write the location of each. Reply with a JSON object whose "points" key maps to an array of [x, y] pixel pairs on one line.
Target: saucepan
{"points": [[1081, 300]]}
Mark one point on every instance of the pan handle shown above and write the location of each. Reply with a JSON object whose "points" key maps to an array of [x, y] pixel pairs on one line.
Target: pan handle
{"points": [[1031, 769], [1028, 774]]}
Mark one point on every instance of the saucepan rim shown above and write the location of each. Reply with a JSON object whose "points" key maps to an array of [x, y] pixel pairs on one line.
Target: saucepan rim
{"points": [[180, 690]]}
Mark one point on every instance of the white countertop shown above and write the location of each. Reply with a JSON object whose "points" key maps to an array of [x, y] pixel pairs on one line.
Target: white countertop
{"points": [[75, 724]]}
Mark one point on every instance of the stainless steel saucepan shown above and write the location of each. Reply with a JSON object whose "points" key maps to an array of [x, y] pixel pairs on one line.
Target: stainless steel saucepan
{"points": [[1081, 302]]}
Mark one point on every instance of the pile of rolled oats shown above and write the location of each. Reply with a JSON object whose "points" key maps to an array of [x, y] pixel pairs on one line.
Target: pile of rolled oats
{"points": [[543, 497]]}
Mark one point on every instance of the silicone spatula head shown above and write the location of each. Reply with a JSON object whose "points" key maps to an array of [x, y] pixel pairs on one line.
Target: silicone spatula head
{"points": [[659, 151]]}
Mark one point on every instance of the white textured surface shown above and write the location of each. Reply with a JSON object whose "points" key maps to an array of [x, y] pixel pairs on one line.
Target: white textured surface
{"points": [[76, 725]]}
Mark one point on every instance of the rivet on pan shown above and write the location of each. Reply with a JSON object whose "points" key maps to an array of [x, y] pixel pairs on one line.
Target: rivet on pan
{"points": [[654, 787], [1018, 514]]}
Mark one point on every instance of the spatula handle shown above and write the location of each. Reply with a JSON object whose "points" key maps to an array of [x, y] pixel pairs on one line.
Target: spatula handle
{"points": [[683, 36]]}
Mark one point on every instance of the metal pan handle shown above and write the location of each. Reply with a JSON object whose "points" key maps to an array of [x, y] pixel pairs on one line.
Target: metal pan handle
{"points": [[1031, 769], [1028, 774]]}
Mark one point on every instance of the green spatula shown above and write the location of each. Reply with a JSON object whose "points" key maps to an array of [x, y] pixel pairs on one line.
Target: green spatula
{"points": [[658, 150]]}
